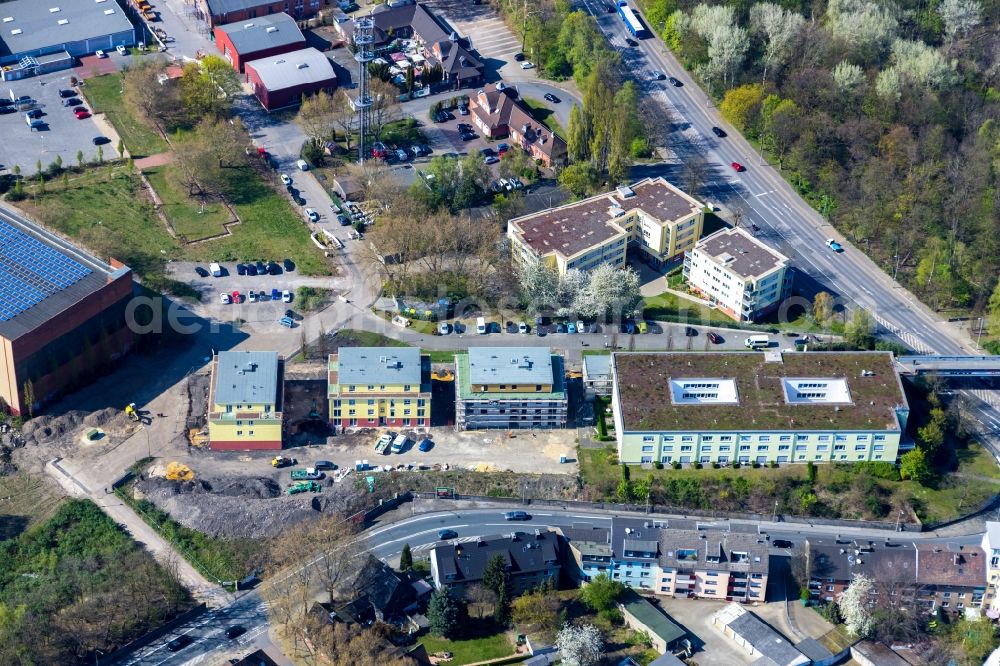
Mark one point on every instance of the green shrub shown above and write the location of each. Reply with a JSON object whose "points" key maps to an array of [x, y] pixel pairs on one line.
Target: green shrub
{"points": [[676, 465]]}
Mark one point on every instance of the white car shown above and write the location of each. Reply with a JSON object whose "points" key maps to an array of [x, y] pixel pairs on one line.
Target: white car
{"points": [[226, 300], [286, 296], [285, 180], [252, 296], [443, 328], [580, 328], [100, 54], [522, 327], [527, 64], [121, 49], [312, 215]]}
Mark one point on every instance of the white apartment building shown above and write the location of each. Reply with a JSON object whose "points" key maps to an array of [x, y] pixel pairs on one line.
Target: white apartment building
{"points": [[743, 277]]}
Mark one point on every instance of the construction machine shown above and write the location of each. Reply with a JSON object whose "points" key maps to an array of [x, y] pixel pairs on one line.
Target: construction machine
{"points": [[130, 411], [179, 472], [282, 461]]}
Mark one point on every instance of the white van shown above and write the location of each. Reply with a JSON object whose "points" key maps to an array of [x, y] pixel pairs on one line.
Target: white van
{"points": [[757, 342], [481, 325], [215, 269], [302, 165]]}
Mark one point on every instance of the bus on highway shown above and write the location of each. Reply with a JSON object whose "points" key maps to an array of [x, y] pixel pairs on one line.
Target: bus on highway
{"points": [[632, 21]]}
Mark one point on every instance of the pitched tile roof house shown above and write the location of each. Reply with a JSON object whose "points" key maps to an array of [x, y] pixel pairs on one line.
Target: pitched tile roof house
{"points": [[461, 65], [531, 558], [498, 114], [375, 593]]}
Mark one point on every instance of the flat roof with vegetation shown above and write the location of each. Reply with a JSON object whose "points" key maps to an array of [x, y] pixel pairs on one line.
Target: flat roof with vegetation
{"points": [[644, 396]]}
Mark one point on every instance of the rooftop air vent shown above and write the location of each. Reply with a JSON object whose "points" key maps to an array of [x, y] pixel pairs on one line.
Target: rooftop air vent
{"points": [[272, 28], [302, 65], [109, 12], [247, 26], [53, 10]]}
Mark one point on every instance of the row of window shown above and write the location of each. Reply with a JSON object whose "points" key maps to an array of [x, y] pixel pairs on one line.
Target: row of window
{"points": [[861, 437], [371, 387], [406, 401]]}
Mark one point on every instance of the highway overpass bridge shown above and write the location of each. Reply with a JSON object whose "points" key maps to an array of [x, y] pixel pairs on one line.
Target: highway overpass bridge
{"points": [[950, 366]]}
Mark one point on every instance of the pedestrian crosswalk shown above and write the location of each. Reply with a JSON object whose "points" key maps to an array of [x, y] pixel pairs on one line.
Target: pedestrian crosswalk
{"points": [[907, 338], [990, 397], [429, 546]]}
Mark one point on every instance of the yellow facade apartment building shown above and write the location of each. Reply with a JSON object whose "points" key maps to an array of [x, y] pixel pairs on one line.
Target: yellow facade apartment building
{"points": [[245, 401], [379, 387], [651, 216]]}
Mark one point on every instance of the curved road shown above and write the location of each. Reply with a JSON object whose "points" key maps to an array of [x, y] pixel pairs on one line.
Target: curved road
{"points": [[209, 644]]}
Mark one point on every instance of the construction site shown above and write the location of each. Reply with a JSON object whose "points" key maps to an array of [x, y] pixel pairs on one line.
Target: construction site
{"points": [[235, 494]]}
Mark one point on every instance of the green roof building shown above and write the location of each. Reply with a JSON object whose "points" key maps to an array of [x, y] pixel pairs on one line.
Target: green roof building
{"points": [[510, 388]]}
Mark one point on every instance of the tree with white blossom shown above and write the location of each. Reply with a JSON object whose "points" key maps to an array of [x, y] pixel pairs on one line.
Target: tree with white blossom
{"points": [[780, 29], [960, 17], [853, 604], [580, 645]]}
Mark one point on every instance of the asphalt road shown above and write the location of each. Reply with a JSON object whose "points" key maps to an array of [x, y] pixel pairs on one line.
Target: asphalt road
{"points": [[787, 222], [209, 644]]}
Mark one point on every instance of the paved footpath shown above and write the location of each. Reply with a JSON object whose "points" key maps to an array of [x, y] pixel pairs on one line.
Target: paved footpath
{"points": [[163, 551]]}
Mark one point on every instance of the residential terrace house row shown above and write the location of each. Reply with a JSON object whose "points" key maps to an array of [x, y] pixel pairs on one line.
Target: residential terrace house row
{"points": [[932, 576]]}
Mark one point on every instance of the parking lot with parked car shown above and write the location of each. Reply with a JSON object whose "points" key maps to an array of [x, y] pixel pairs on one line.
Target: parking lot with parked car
{"points": [[60, 131]]}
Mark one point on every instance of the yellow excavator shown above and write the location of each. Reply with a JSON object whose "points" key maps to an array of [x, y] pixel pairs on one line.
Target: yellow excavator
{"points": [[130, 412]]}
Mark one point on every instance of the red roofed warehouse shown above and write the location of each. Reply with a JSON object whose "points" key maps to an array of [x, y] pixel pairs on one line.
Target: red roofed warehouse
{"points": [[259, 38], [497, 115], [219, 12], [62, 315], [282, 80]]}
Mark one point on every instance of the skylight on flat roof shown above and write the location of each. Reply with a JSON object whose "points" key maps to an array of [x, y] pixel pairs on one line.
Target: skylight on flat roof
{"points": [[108, 12], [816, 391], [702, 391], [8, 19], [53, 10], [62, 21], [16, 31]]}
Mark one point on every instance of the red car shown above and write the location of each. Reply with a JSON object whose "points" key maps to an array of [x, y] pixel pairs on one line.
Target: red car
{"points": [[80, 115], [236, 297], [714, 337], [737, 167]]}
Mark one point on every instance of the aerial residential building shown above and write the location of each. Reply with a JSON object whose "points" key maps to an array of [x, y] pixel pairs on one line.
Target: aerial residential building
{"points": [[673, 558], [63, 315], [510, 388], [597, 374], [651, 216], [589, 552], [713, 564], [499, 114], [245, 401], [39, 37], [757, 638], [748, 407], [742, 276], [437, 44], [281, 81], [991, 548], [949, 577], [379, 386], [531, 559], [258, 38]]}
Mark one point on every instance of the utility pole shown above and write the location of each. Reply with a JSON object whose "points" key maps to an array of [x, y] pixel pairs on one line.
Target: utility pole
{"points": [[774, 516]]}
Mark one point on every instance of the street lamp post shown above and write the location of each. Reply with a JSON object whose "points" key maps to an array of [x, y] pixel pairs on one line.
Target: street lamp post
{"points": [[96, 652], [774, 517]]}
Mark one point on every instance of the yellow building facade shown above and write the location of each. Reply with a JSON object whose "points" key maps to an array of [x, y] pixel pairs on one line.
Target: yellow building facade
{"points": [[379, 386], [245, 399]]}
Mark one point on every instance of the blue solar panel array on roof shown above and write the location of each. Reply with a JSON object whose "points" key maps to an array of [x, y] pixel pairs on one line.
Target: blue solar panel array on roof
{"points": [[31, 271]]}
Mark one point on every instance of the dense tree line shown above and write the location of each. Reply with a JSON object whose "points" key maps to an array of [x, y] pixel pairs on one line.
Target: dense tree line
{"points": [[883, 115], [78, 583]]}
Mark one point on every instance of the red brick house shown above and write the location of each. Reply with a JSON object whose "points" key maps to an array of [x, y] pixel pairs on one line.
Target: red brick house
{"points": [[282, 80], [499, 115], [254, 39]]}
